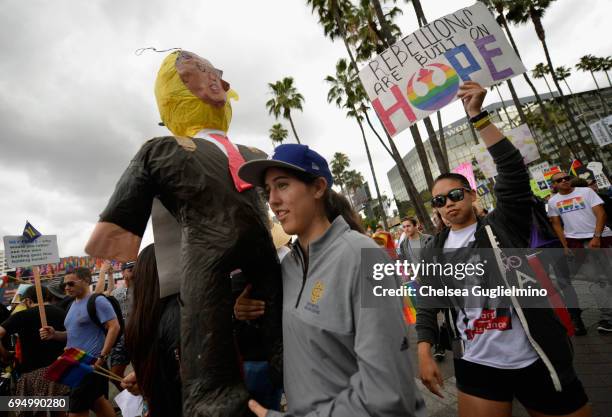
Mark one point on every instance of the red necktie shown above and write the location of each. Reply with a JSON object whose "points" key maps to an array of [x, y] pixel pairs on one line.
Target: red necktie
{"points": [[235, 160]]}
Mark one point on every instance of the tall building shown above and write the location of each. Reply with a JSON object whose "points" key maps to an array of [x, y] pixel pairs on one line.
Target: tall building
{"points": [[460, 138], [3, 265]]}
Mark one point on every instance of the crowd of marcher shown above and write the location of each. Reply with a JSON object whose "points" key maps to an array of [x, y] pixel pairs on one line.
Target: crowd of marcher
{"points": [[339, 357]]}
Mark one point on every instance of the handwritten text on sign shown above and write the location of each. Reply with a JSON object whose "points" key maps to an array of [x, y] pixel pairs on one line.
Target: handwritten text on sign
{"points": [[422, 72], [42, 251]]}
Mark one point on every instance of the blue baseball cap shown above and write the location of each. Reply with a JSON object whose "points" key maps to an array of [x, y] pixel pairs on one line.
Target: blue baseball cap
{"points": [[290, 156]]}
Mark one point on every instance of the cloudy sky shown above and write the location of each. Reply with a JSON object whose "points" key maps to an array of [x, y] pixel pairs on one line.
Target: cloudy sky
{"points": [[76, 102]]}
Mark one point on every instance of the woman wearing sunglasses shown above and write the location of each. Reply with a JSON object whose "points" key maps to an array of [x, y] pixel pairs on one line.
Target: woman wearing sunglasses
{"points": [[340, 359], [504, 353]]}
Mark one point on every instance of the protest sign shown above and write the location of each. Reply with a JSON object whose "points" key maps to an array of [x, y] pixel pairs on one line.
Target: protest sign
{"points": [[484, 160], [536, 188], [19, 252], [537, 170], [22, 251], [602, 131], [597, 170], [467, 171], [519, 136], [482, 189], [548, 175], [421, 73]]}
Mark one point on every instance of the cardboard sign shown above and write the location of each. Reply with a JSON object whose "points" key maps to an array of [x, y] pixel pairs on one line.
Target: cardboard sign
{"points": [[482, 189], [520, 137], [597, 170], [421, 73], [537, 170], [536, 188], [602, 131], [548, 175], [21, 253]]}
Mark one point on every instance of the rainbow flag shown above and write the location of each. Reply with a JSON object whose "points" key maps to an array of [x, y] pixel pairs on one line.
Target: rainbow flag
{"points": [[70, 368], [68, 371], [574, 169], [410, 303], [79, 355]]}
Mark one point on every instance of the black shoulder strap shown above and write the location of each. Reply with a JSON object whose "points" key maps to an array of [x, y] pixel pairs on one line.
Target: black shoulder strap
{"points": [[92, 311]]}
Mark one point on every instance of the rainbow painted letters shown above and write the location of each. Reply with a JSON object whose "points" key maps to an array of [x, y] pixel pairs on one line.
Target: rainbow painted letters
{"points": [[421, 73]]}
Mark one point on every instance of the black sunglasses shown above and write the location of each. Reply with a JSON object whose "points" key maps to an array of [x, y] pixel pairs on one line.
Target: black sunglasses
{"points": [[560, 180], [456, 194], [69, 284]]}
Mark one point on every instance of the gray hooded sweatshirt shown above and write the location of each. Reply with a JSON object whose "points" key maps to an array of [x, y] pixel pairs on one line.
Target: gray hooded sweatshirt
{"points": [[341, 359]]}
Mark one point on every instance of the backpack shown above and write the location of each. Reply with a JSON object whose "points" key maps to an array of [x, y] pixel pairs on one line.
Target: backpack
{"points": [[91, 310]]}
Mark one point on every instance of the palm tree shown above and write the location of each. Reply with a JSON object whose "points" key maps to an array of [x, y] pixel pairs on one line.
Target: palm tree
{"points": [[278, 134], [332, 15], [343, 93], [523, 11], [339, 164], [605, 65], [354, 180], [589, 63], [503, 104], [563, 73], [286, 98], [540, 71]]}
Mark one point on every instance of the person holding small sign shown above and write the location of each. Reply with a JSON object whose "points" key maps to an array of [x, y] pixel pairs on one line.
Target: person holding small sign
{"points": [[83, 333]]}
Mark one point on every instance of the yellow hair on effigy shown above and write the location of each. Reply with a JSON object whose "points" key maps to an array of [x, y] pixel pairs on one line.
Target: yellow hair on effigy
{"points": [[183, 113]]}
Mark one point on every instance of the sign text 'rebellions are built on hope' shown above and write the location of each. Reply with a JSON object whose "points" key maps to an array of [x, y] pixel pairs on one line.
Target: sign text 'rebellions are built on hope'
{"points": [[421, 73]]}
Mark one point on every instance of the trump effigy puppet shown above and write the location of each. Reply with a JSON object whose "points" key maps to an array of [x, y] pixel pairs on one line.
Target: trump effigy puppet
{"points": [[221, 224]]}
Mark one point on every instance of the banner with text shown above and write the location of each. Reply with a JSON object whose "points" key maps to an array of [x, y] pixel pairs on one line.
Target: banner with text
{"points": [[602, 131], [421, 73]]}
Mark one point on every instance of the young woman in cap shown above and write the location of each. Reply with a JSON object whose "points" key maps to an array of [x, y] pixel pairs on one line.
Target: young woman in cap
{"points": [[340, 359]]}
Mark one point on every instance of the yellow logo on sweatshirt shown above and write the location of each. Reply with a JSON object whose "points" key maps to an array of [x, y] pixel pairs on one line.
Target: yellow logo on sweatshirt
{"points": [[317, 292]]}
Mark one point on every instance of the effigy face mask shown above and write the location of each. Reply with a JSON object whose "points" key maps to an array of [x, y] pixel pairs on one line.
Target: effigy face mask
{"points": [[202, 78]]}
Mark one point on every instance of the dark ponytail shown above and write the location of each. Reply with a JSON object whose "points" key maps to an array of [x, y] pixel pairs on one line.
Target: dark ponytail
{"points": [[338, 205], [335, 204]]}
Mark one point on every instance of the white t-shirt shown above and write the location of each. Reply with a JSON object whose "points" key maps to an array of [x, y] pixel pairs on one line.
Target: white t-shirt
{"points": [[576, 211], [492, 337]]}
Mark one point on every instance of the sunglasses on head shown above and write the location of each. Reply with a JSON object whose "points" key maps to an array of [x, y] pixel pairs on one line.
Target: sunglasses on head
{"points": [[560, 180], [456, 194]]}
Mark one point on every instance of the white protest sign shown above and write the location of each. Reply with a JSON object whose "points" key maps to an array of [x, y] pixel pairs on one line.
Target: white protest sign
{"points": [[520, 137], [600, 177], [421, 73], [537, 170], [484, 160], [602, 131], [20, 253]]}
